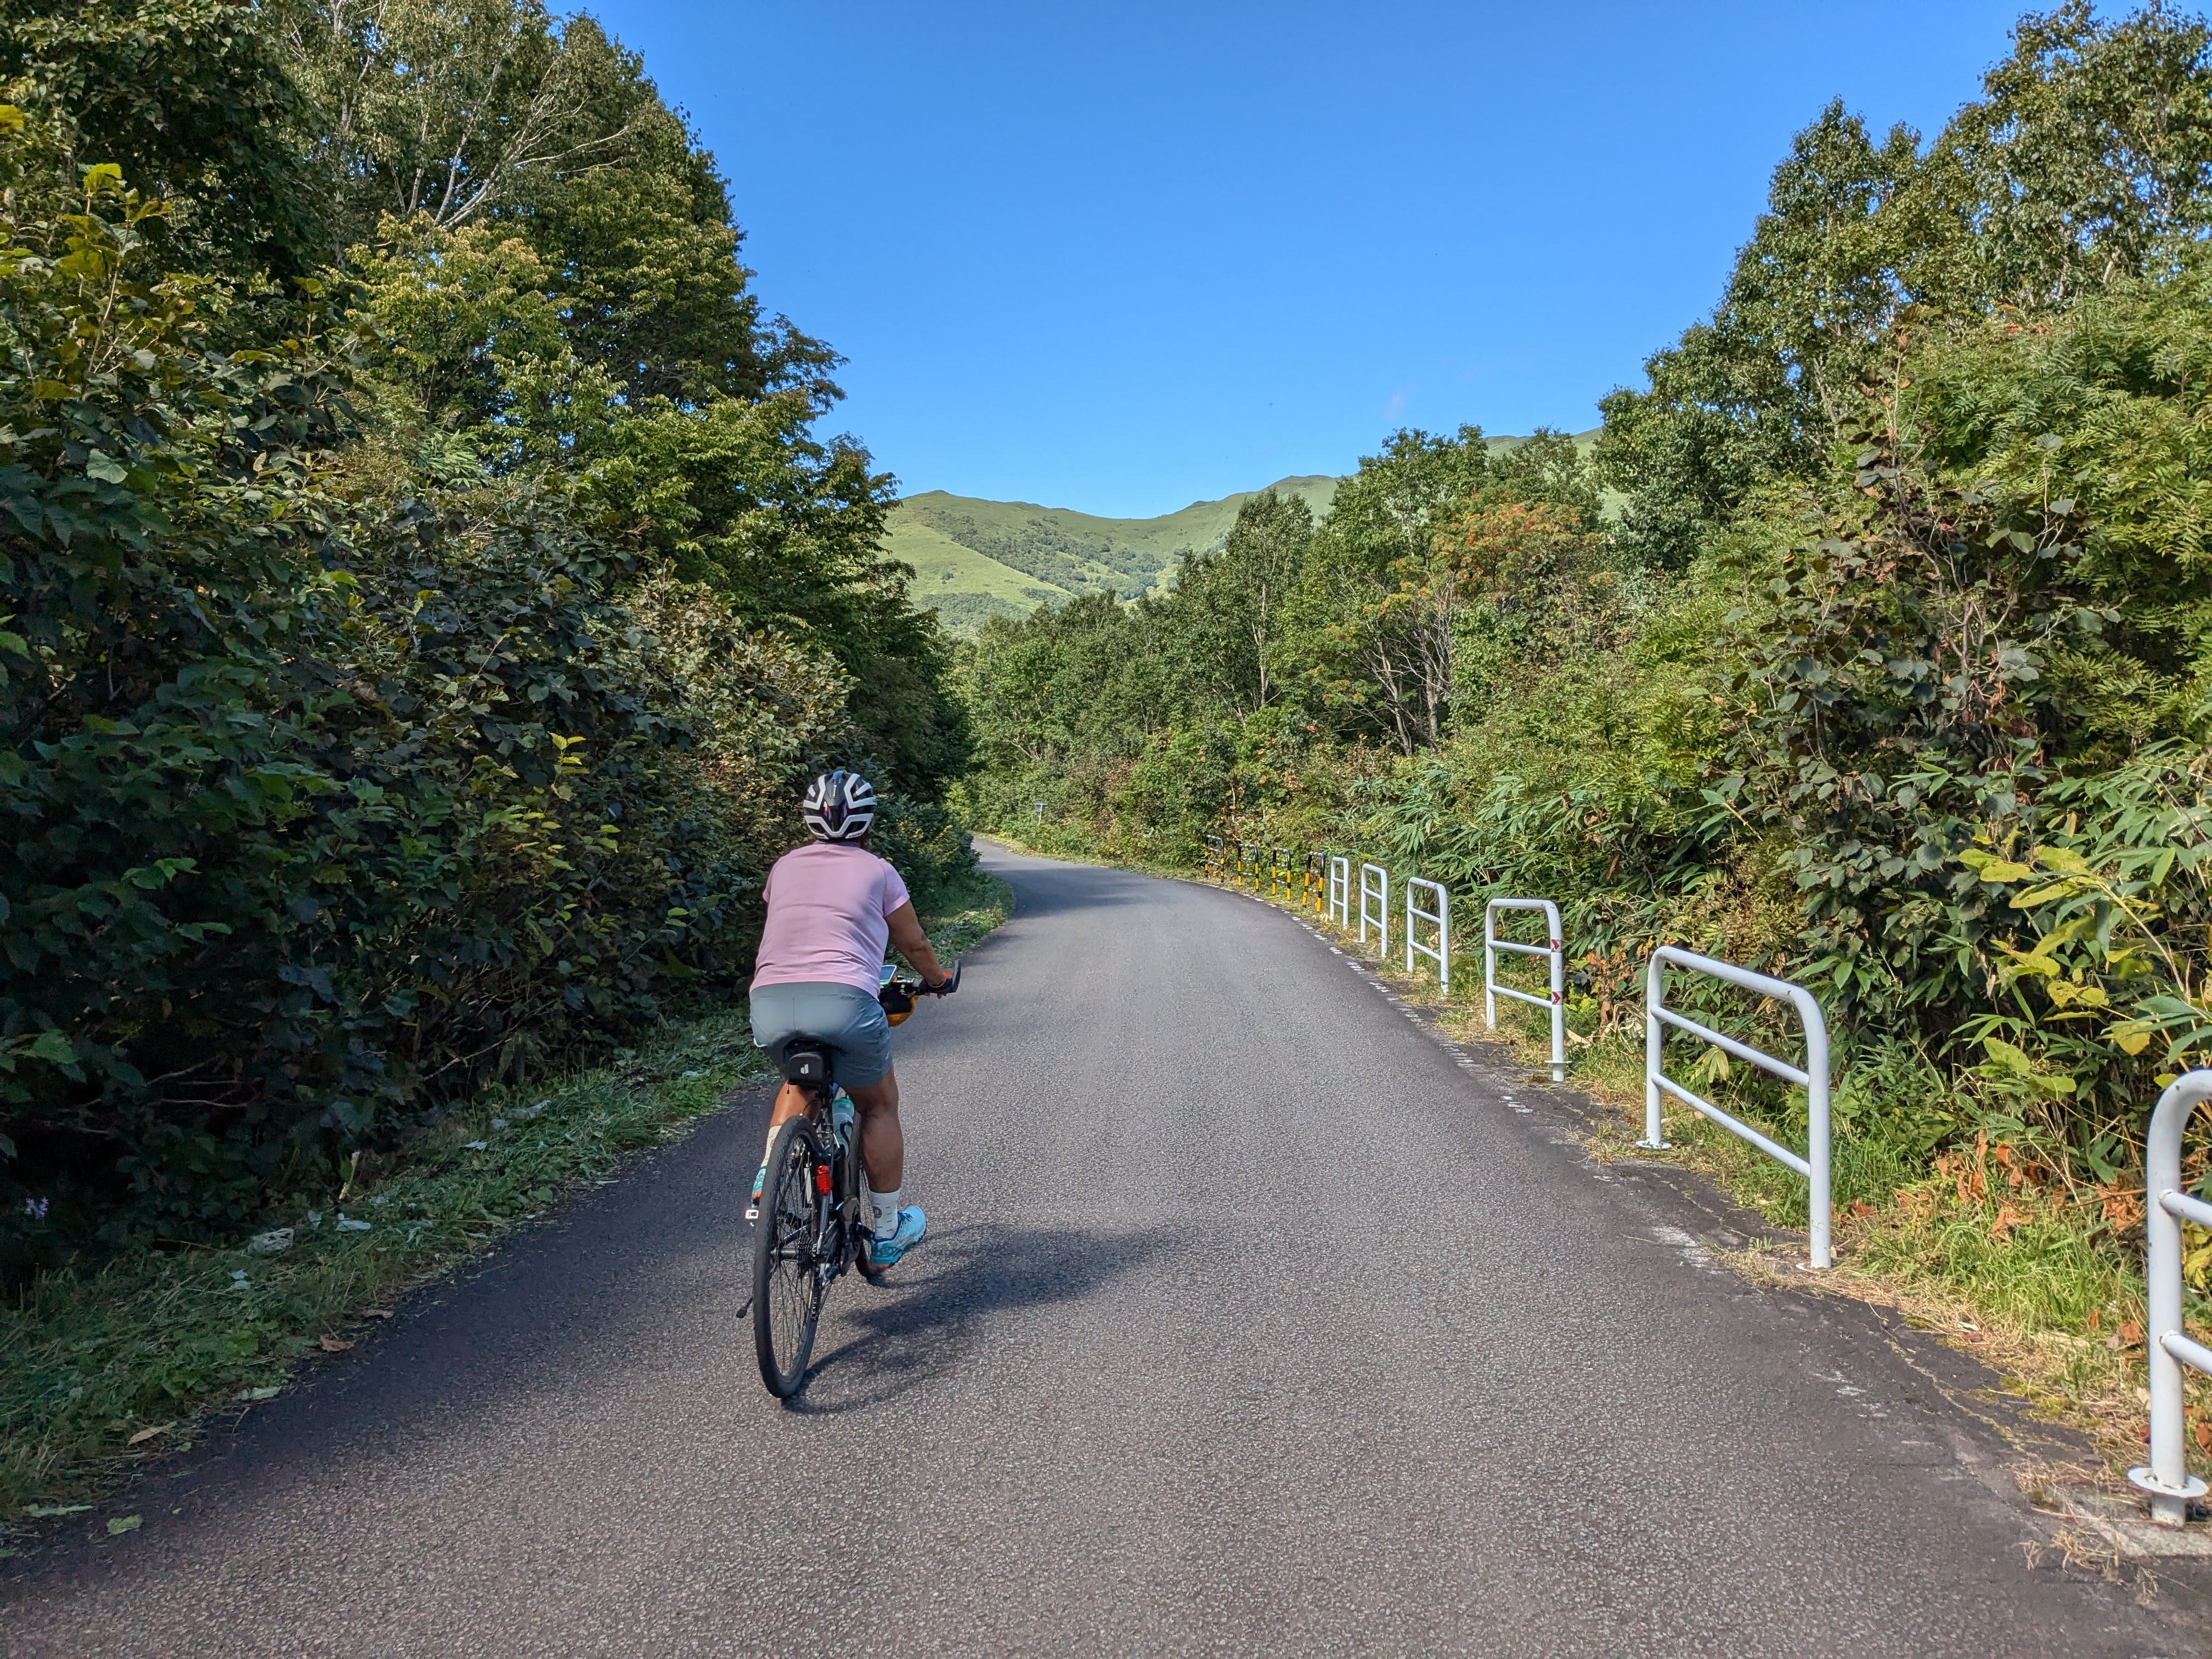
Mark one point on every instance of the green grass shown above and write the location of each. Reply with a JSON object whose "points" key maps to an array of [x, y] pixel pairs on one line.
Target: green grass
{"points": [[2048, 1273], [104, 1368]]}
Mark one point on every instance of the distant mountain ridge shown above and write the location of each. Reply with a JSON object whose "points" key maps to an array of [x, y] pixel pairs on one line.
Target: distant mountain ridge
{"points": [[975, 559]]}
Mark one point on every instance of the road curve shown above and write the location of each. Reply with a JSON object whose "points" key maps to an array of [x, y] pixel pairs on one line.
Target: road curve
{"points": [[1251, 1320]]}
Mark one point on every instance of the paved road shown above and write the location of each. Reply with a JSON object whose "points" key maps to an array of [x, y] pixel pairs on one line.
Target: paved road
{"points": [[1252, 1321]]}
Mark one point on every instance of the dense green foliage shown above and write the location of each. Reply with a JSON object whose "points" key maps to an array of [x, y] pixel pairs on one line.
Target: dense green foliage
{"points": [[1888, 665], [423, 586]]}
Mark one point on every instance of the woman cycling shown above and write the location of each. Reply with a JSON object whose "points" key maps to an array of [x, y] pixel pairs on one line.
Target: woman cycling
{"points": [[832, 906]]}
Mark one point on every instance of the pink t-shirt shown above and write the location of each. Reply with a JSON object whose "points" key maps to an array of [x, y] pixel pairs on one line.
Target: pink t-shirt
{"points": [[829, 908]]}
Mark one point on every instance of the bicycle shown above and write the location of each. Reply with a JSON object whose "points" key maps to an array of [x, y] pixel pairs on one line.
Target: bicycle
{"points": [[814, 1221]]}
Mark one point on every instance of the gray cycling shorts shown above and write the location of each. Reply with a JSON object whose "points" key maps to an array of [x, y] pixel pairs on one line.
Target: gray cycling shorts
{"points": [[844, 1017]]}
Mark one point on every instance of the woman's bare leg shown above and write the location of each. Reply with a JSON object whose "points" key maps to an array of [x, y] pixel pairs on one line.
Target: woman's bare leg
{"points": [[883, 1142], [790, 1102]]}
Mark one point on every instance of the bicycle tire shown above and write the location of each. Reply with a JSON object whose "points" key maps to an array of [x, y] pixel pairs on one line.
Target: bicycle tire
{"points": [[788, 1285]]}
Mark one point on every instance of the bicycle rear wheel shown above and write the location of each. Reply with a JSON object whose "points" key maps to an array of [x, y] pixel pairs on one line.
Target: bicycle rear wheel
{"points": [[786, 1262]]}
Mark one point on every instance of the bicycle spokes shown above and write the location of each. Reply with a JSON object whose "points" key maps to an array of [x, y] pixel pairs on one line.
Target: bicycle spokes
{"points": [[788, 1281]]}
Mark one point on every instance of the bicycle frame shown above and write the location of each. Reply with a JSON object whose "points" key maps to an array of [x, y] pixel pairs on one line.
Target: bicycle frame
{"points": [[838, 1221]]}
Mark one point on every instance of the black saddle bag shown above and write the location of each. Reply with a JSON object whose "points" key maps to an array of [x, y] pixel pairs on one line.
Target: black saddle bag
{"points": [[806, 1063]]}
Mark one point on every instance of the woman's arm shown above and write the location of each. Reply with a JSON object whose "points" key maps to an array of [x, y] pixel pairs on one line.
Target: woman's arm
{"points": [[910, 942]]}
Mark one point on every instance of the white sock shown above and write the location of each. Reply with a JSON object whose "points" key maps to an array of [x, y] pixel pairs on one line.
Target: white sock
{"points": [[887, 1209], [769, 1145]]}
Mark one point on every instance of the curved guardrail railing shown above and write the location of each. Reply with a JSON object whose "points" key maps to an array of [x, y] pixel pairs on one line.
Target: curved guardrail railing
{"points": [[1814, 1079], [2166, 1477], [1553, 949], [1379, 890], [1441, 955], [1340, 891]]}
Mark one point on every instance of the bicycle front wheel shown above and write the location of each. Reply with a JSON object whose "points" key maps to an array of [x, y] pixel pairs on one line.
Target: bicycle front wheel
{"points": [[786, 1262]]}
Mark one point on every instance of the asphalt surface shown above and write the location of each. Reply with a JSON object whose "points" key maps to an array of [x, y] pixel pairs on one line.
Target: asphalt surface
{"points": [[1252, 1319]]}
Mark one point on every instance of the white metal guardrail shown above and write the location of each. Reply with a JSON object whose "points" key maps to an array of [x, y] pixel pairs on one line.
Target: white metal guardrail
{"points": [[1339, 891], [2166, 1205], [1554, 948], [1814, 1079], [1442, 916], [1379, 890]]}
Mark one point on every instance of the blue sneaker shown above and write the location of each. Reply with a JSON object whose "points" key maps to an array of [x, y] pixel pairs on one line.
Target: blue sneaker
{"points": [[885, 1252], [760, 1185]]}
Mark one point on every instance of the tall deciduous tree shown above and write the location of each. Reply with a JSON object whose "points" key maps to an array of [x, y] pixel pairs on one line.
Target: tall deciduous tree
{"points": [[2087, 160], [1375, 664], [425, 116], [453, 112], [1233, 606]]}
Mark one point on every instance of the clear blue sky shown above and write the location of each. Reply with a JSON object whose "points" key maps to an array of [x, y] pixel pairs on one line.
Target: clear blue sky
{"points": [[1124, 256]]}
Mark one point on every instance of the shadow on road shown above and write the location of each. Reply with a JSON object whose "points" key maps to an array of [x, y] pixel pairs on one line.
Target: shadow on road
{"points": [[917, 1327]]}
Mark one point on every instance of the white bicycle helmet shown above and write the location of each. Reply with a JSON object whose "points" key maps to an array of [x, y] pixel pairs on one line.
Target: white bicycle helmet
{"points": [[841, 805]]}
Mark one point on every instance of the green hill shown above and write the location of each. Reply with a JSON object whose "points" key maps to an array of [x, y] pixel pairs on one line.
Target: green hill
{"points": [[962, 586], [975, 559]]}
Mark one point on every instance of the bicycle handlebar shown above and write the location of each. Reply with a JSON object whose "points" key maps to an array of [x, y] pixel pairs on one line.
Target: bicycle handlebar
{"points": [[900, 990]]}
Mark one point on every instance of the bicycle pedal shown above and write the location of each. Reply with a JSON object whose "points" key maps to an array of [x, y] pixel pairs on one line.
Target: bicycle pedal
{"points": [[752, 1213]]}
